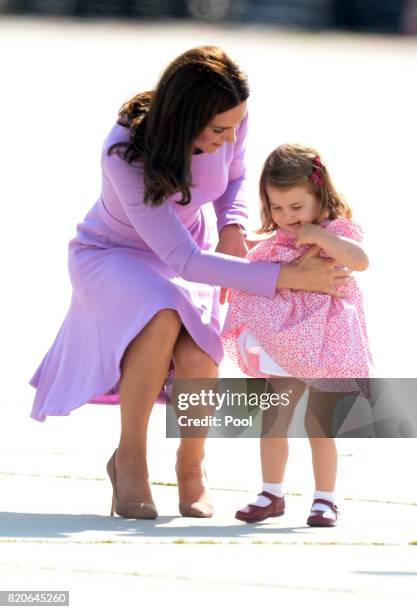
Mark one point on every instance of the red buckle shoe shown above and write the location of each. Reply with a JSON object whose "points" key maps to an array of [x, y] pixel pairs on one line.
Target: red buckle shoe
{"points": [[317, 518], [259, 513]]}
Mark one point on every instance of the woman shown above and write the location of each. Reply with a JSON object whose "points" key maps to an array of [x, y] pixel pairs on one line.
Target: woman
{"points": [[142, 268]]}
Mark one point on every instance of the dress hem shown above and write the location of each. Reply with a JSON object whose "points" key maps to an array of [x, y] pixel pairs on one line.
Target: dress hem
{"points": [[105, 397]]}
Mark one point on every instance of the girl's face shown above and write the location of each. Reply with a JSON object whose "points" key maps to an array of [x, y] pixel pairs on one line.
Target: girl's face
{"points": [[291, 206], [220, 130]]}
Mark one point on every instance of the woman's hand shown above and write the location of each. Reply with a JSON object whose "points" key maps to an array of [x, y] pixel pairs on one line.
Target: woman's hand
{"points": [[231, 242], [312, 273]]}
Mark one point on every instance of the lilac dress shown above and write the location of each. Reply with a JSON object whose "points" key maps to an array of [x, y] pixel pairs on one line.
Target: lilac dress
{"points": [[128, 260]]}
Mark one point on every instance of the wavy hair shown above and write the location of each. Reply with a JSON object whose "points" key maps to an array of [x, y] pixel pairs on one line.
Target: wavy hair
{"points": [[164, 123], [289, 166]]}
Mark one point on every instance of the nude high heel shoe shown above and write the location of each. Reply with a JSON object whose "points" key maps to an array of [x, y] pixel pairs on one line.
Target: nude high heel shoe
{"points": [[137, 510]]}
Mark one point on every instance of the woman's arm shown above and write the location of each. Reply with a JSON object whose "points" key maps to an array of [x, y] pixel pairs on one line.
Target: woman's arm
{"points": [[231, 206], [345, 250], [166, 235], [168, 238]]}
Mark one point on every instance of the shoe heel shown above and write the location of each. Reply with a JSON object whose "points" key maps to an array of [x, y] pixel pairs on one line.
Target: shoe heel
{"points": [[141, 510]]}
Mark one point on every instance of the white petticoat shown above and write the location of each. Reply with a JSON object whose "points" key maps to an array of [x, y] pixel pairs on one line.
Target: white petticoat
{"points": [[247, 343]]}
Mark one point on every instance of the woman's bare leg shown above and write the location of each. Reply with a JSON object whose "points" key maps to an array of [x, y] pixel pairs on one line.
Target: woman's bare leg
{"points": [[144, 368], [192, 362]]}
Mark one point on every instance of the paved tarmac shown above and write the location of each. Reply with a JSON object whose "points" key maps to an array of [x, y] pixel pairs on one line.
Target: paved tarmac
{"points": [[56, 532]]}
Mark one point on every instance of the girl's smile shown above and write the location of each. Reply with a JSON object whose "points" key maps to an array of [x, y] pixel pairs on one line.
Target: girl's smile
{"points": [[292, 206]]}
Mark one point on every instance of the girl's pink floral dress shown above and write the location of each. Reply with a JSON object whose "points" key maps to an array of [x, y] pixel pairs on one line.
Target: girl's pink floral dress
{"points": [[309, 335]]}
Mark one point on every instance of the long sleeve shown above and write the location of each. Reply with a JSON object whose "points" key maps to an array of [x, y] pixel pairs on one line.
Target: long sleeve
{"points": [[230, 207], [166, 235]]}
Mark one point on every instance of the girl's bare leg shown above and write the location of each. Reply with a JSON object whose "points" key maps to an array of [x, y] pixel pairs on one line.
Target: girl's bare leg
{"points": [[275, 423], [324, 458], [318, 423], [144, 368]]}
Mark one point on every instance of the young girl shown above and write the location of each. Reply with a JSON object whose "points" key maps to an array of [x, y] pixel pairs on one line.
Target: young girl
{"points": [[315, 338]]}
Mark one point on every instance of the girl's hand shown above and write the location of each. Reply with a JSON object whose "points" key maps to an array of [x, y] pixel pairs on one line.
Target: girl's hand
{"points": [[252, 243], [307, 233], [231, 242]]}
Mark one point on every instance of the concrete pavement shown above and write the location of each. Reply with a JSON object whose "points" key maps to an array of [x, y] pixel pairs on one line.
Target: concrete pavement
{"points": [[56, 533]]}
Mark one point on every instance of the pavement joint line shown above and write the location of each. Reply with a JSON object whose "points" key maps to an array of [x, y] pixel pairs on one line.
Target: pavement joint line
{"points": [[165, 576], [233, 490], [194, 541]]}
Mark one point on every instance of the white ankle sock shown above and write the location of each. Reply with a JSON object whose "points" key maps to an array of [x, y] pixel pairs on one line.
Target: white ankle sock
{"points": [[271, 487], [327, 495]]}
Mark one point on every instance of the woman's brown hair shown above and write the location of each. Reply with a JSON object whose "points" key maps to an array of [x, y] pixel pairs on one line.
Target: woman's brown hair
{"points": [[291, 165], [164, 123]]}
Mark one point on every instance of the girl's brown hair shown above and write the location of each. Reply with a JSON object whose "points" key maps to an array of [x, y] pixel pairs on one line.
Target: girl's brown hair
{"points": [[164, 123], [290, 165]]}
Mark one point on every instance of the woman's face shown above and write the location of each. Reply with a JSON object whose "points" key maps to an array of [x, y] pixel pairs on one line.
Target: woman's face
{"points": [[220, 130]]}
